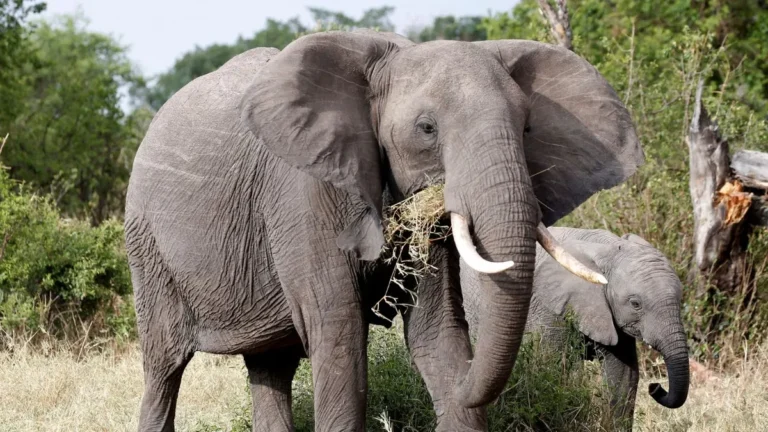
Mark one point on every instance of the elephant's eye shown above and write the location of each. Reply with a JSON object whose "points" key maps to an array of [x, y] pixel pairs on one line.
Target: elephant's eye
{"points": [[428, 128], [526, 130], [635, 303]]}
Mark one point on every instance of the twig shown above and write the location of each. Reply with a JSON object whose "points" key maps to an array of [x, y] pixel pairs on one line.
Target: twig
{"points": [[2, 144]]}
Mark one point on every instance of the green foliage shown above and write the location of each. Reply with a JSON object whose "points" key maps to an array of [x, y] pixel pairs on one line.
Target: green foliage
{"points": [[375, 18], [465, 28], [53, 270], [395, 388], [201, 61], [71, 135], [14, 51], [523, 22], [553, 389], [601, 29]]}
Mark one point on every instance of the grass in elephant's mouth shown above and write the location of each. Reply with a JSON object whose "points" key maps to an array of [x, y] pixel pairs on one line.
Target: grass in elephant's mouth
{"points": [[410, 227]]}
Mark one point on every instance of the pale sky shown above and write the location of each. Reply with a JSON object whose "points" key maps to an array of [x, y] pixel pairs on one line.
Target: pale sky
{"points": [[159, 31]]}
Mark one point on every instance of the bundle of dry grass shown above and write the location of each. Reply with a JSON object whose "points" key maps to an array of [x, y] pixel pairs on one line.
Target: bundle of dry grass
{"points": [[411, 225]]}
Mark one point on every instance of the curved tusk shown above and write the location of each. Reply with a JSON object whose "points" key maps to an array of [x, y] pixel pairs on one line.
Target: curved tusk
{"points": [[466, 248], [565, 259]]}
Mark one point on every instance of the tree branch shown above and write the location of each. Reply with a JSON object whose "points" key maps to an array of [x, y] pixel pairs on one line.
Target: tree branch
{"points": [[559, 22]]}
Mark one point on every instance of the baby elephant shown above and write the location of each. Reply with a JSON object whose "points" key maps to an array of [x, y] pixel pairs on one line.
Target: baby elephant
{"points": [[641, 301]]}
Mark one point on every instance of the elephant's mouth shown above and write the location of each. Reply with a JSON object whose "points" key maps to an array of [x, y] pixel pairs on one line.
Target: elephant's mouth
{"points": [[632, 330]]}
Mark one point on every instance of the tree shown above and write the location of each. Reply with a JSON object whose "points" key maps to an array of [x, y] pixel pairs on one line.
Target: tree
{"points": [[72, 133], [276, 34], [201, 61], [601, 28], [14, 51], [375, 18], [466, 28]]}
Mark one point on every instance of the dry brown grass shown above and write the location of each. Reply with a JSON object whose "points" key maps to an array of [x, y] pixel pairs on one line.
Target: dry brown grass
{"points": [[101, 392], [719, 401], [410, 226]]}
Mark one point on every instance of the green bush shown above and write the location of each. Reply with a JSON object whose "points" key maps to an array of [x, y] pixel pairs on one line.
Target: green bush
{"points": [[57, 274]]}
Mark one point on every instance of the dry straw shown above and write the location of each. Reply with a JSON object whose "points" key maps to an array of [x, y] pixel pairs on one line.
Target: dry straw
{"points": [[411, 225]]}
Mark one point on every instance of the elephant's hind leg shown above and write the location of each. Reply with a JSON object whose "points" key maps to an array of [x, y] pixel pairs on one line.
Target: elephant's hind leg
{"points": [[162, 380], [164, 331], [166, 351], [270, 377]]}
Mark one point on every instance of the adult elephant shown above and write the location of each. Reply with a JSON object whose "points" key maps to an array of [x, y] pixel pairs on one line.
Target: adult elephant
{"points": [[254, 210], [642, 300]]}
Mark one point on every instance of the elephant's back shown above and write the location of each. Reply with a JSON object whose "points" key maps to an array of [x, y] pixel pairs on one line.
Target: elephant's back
{"points": [[196, 136]]}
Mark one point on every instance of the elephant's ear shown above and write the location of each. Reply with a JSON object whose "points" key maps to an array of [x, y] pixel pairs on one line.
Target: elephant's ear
{"points": [[558, 290], [310, 106], [579, 137]]}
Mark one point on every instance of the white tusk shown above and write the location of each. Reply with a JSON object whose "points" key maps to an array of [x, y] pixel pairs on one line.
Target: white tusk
{"points": [[467, 250], [565, 259]]}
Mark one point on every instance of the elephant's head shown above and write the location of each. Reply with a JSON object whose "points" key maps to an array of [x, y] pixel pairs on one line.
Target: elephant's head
{"points": [[506, 125], [642, 299]]}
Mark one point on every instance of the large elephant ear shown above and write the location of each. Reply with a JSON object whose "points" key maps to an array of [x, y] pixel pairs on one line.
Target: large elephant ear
{"points": [[310, 106], [579, 137], [558, 290]]}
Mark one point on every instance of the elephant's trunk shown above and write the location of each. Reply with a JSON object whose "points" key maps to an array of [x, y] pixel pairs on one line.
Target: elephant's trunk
{"points": [[504, 213], [673, 347]]}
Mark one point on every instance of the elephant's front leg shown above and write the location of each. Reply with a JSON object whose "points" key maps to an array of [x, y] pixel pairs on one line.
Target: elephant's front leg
{"points": [[438, 341], [620, 371], [321, 288]]}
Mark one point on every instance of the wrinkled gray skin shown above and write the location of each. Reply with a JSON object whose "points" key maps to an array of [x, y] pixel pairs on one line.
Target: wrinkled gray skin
{"points": [[641, 301], [254, 210]]}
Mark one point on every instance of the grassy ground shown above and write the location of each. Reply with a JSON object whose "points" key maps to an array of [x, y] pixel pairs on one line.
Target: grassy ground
{"points": [[61, 391], [101, 392]]}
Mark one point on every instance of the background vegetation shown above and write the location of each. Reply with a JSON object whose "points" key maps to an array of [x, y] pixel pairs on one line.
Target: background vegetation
{"points": [[65, 166]]}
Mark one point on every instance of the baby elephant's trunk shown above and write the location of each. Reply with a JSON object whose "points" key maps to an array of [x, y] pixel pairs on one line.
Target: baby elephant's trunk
{"points": [[674, 349]]}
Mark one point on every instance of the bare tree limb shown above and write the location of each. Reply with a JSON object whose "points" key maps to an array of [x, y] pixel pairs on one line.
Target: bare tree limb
{"points": [[560, 23], [721, 207], [751, 167], [709, 171]]}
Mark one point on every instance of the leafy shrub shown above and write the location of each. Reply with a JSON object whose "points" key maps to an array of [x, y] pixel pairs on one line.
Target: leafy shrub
{"points": [[56, 274]]}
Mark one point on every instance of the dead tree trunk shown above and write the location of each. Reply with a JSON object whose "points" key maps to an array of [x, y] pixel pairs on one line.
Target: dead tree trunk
{"points": [[727, 203], [559, 22]]}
